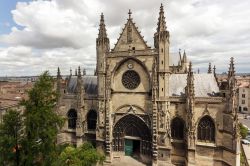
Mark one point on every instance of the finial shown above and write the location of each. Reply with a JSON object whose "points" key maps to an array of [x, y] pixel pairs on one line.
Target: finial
{"points": [[161, 8], [102, 17], [129, 14], [214, 69]]}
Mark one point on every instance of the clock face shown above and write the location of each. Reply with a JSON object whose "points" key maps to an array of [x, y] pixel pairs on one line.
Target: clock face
{"points": [[130, 66]]}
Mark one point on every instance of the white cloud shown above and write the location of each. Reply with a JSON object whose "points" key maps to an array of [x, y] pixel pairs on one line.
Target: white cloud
{"points": [[62, 32]]}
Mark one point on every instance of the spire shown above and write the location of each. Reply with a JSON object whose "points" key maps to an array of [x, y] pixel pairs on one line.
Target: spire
{"points": [[209, 71], [180, 56], [58, 73], [184, 57], [161, 25], [102, 28], [70, 72], [231, 71]]}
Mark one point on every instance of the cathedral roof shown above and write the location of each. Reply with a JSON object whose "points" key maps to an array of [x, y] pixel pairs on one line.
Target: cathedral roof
{"points": [[90, 84], [130, 37], [205, 85]]}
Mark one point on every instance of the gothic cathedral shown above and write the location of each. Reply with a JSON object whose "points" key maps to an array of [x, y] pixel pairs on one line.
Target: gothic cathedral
{"points": [[138, 105]]}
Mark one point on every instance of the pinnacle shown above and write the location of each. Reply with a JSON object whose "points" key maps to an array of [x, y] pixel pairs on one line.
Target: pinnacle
{"points": [[79, 71], [102, 28], [231, 71], [209, 68], [214, 69], [184, 57], [161, 20], [58, 72], [190, 66]]}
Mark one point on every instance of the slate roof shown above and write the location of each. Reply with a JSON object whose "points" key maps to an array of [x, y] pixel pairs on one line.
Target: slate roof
{"points": [[90, 84], [205, 85]]}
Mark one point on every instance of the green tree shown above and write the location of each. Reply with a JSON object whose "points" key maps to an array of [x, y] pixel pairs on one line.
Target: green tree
{"points": [[243, 131], [41, 122], [85, 155], [11, 137]]}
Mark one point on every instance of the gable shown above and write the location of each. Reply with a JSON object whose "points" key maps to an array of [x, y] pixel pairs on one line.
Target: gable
{"points": [[130, 38]]}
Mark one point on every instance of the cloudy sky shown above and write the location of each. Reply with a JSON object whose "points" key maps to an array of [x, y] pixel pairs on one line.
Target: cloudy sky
{"points": [[41, 35]]}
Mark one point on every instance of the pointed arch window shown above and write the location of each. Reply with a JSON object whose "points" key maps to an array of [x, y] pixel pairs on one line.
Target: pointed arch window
{"points": [[72, 117], [177, 128], [91, 120], [206, 129]]}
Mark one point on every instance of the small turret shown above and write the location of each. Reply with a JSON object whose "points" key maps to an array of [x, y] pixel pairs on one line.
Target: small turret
{"points": [[102, 48], [161, 39]]}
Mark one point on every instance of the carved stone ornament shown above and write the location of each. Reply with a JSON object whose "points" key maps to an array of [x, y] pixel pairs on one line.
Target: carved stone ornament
{"points": [[131, 79]]}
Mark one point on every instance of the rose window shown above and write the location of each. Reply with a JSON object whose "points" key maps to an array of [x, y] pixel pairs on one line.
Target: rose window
{"points": [[131, 79]]}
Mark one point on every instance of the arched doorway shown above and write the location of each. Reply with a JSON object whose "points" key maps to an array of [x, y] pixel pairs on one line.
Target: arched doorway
{"points": [[132, 135]]}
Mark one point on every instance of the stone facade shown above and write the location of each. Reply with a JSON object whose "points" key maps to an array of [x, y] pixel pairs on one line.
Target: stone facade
{"points": [[139, 105]]}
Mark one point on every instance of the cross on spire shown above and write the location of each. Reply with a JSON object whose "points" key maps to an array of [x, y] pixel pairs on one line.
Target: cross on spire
{"points": [[129, 14]]}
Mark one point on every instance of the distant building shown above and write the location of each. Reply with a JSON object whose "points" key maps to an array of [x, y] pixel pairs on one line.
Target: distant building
{"points": [[11, 93], [244, 97], [140, 105]]}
